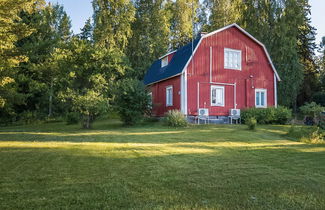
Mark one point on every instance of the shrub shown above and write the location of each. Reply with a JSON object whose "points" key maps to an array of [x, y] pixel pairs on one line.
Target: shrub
{"points": [[72, 118], [271, 115], [28, 117], [175, 118], [311, 134], [132, 101], [251, 123], [312, 111]]}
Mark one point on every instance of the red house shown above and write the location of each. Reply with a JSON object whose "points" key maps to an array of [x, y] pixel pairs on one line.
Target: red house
{"points": [[220, 71]]}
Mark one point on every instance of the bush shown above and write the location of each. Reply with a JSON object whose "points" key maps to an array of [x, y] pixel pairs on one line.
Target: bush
{"points": [[312, 111], [311, 134], [72, 118], [271, 115], [251, 123], [132, 101], [175, 118], [28, 117]]}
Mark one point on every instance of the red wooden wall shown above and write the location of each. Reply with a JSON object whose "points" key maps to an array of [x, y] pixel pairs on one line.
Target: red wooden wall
{"points": [[159, 96], [254, 62], [256, 73]]}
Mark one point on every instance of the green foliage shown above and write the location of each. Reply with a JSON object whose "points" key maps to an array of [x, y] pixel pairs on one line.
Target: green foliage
{"points": [[182, 20], [319, 98], [88, 74], [271, 115], [175, 118], [307, 134], [112, 23], [12, 30], [150, 35], [312, 110], [132, 101], [72, 118], [251, 123], [28, 117]]}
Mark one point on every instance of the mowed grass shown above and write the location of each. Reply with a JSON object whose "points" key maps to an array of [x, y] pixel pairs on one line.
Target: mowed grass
{"points": [[54, 166]]}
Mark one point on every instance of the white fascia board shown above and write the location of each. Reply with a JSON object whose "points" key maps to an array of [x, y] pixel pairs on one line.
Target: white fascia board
{"points": [[166, 54], [164, 79]]}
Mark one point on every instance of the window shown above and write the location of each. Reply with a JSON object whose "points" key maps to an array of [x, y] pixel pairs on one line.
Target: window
{"points": [[232, 59], [217, 96], [260, 98], [164, 61], [169, 96], [150, 100]]}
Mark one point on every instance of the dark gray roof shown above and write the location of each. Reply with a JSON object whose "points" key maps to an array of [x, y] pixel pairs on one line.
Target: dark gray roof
{"points": [[155, 73]]}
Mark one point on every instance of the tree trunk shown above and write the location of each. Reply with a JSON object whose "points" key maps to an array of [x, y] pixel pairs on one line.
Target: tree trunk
{"points": [[50, 99], [86, 121]]}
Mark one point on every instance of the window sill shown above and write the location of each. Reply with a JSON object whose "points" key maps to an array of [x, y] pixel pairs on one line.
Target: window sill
{"points": [[214, 105], [227, 68], [261, 107]]}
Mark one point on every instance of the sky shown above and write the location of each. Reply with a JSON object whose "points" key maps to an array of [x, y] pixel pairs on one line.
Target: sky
{"points": [[80, 10]]}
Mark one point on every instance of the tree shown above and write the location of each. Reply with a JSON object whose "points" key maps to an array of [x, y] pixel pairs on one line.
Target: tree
{"points": [[87, 31], [88, 74], [184, 15], [132, 100], [222, 12], [35, 77], [12, 30], [150, 37], [321, 64], [306, 50], [112, 23]]}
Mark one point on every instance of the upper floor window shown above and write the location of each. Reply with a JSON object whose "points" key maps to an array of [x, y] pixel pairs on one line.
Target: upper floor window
{"points": [[260, 98], [164, 61], [217, 95], [169, 96], [232, 59]]}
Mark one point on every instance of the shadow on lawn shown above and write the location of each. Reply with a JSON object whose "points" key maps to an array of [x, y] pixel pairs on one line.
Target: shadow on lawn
{"points": [[155, 135], [278, 178]]}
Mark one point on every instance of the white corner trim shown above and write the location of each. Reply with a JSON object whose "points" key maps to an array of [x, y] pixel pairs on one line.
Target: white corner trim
{"points": [[210, 64], [275, 92]]}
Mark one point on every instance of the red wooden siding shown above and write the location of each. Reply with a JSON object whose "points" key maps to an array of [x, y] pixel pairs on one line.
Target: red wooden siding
{"points": [[256, 73], [170, 56], [159, 96]]}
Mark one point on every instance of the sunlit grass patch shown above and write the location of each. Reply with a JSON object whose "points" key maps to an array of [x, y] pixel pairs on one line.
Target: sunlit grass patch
{"points": [[152, 167]]}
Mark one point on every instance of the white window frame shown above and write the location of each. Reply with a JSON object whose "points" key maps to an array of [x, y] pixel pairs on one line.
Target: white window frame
{"points": [[226, 64], [164, 61], [151, 99], [259, 91], [169, 103], [223, 94]]}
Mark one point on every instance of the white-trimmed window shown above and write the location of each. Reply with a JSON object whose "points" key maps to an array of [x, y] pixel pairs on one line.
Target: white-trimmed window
{"points": [[169, 96], [150, 100], [232, 59], [217, 95], [260, 98], [164, 61]]}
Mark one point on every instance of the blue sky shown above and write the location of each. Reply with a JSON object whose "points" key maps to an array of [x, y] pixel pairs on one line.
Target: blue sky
{"points": [[81, 10]]}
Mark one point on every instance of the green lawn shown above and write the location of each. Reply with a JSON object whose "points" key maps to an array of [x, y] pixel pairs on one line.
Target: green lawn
{"points": [[153, 167]]}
